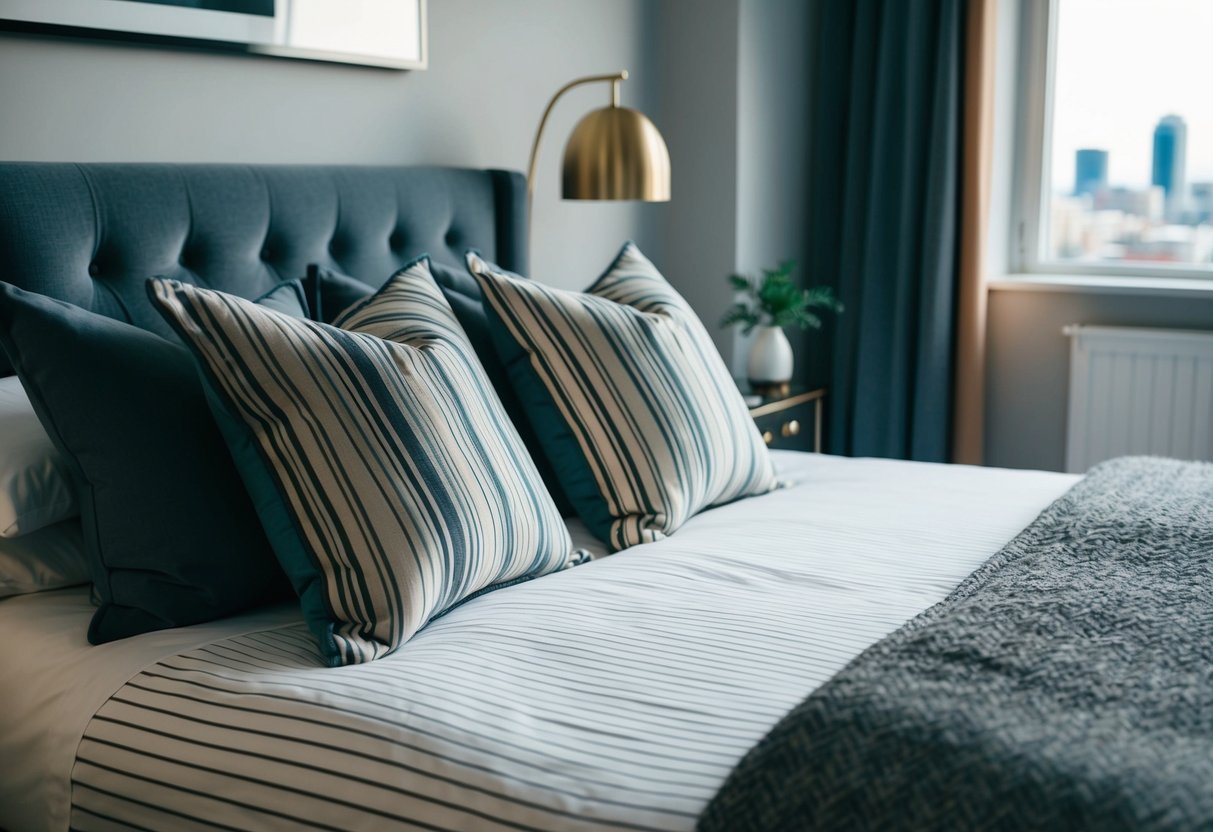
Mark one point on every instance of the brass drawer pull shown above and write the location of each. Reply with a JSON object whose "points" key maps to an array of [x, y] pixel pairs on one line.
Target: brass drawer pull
{"points": [[777, 427]]}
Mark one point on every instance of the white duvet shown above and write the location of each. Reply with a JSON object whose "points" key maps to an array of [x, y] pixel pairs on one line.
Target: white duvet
{"points": [[614, 695]]}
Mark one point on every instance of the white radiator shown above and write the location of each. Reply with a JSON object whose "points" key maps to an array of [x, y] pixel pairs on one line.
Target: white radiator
{"points": [[1139, 391]]}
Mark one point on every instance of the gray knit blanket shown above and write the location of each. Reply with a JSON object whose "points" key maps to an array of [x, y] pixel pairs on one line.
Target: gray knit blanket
{"points": [[1066, 684]]}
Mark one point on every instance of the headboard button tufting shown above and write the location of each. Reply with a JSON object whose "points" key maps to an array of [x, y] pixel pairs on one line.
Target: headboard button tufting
{"points": [[92, 233]]}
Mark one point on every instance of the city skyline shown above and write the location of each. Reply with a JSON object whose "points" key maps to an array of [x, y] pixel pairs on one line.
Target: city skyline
{"points": [[1168, 168], [1122, 66], [1166, 221]]}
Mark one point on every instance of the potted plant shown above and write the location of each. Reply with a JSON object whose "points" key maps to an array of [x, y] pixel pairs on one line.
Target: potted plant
{"points": [[770, 303]]}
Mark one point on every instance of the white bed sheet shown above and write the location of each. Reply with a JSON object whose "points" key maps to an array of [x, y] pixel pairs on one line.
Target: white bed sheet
{"points": [[741, 614]]}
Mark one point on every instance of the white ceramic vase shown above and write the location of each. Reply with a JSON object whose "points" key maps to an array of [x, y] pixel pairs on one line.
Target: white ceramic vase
{"points": [[771, 360]]}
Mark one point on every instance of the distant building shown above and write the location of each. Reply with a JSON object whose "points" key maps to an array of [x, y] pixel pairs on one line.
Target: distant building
{"points": [[1090, 171], [1202, 202], [1170, 162], [1149, 203]]}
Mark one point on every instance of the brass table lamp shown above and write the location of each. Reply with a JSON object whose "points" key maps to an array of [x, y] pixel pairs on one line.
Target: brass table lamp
{"points": [[613, 153]]}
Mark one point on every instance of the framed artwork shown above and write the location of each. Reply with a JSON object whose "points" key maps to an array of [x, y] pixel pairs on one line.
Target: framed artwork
{"points": [[387, 33]]}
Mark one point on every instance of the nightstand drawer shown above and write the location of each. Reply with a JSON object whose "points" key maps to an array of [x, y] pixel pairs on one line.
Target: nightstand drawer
{"points": [[790, 420], [791, 429]]}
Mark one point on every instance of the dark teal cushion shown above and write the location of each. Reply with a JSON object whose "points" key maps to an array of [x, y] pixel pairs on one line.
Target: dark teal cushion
{"points": [[170, 533], [330, 293], [287, 298]]}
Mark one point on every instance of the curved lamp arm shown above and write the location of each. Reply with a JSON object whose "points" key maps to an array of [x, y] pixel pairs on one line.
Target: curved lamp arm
{"points": [[614, 78]]}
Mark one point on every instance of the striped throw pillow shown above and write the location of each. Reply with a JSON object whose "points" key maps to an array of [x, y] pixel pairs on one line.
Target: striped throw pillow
{"points": [[633, 404], [389, 480]]}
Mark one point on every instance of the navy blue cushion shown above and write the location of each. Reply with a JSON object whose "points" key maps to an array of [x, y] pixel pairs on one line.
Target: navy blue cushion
{"points": [[330, 293], [171, 534]]}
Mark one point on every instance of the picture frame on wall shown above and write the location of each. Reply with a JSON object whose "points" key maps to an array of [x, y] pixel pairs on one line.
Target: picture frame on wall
{"points": [[383, 33]]}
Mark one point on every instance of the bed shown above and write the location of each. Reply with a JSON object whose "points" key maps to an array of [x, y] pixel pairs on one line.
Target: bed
{"points": [[620, 694]]}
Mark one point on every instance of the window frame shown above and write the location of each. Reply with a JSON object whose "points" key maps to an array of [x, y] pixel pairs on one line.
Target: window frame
{"points": [[1033, 162]]}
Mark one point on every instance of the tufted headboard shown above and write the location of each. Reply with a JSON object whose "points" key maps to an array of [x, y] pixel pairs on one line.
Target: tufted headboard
{"points": [[91, 234]]}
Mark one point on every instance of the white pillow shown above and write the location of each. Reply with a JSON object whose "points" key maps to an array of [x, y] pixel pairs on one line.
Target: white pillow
{"points": [[35, 482], [50, 558]]}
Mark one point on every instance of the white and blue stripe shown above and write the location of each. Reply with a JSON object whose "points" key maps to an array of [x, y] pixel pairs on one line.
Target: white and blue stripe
{"points": [[654, 429], [390, 481]]}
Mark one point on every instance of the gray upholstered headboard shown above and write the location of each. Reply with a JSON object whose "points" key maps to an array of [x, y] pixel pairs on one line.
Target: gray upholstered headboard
{"points": [[91, 234]]}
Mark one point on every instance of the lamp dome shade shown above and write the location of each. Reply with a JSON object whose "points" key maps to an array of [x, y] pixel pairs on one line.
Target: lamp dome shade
{"points": [[616, 153]]}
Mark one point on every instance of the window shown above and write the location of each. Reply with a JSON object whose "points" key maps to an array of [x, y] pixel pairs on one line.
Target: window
{"points": [[1118, 156]]}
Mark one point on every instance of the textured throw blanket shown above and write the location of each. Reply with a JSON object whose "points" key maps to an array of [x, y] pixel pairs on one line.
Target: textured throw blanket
{"points": [[1066, 684]]}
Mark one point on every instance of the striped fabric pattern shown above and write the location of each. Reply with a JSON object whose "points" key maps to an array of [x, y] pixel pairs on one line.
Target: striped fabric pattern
{"points": [[677, 657], [653, 427], [390, 482]]}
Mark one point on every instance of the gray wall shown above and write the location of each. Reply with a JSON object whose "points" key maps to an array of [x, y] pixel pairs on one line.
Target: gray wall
{"points": [[1029, 363], [773, 138], [698, 104], [735, 98], [493, 66]]}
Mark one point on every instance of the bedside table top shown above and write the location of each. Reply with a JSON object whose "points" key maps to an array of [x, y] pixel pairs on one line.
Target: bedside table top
{"points": [[797, 394]]}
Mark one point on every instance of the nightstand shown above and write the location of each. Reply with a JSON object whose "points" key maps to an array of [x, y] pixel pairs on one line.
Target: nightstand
{"points": [[791, 421]]}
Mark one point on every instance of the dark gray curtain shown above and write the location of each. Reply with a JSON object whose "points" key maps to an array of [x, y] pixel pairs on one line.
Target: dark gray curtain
{"points": [[884, 196]]}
